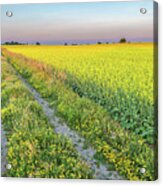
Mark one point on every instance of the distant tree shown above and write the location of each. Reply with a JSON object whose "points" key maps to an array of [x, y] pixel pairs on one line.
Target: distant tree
{"points": [[13, 43], [65, 44], [99, 42], [122, 40], [6, 43], [74, 44], [107, 42], [37, 43]]}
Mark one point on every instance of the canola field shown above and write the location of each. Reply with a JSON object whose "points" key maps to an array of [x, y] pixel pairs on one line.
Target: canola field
{"points": [[104, 92]]}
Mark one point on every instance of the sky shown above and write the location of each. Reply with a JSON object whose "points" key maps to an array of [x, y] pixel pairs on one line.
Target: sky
{"points": [[58, 23]]}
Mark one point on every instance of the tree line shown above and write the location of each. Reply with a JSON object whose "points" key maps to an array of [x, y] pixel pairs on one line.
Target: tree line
{"points": [[17, 43], [122, 40]]}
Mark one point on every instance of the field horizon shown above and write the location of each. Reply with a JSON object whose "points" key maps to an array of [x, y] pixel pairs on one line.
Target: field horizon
{"points": [[78, 44]]}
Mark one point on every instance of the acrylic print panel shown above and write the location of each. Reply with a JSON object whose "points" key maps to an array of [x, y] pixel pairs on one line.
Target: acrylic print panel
{"points": [[79, 90]]}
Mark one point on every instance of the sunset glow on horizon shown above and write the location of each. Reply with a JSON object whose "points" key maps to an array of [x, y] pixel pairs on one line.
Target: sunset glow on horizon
{"points": [[58, 23]]}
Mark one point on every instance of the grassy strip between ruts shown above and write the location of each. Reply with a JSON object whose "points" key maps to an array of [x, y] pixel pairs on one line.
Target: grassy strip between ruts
{"points": [[34, 149], [127, 151]]}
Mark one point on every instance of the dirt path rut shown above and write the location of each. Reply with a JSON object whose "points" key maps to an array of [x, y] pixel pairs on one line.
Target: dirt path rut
{"points": [[100, 170]]}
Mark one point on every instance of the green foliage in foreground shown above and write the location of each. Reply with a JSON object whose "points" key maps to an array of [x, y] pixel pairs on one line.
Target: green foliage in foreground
{"points": [[34, 150], [127, 151]]}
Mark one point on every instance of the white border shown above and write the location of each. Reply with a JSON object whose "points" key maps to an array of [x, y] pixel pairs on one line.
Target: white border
{"points": [[55, 1]]}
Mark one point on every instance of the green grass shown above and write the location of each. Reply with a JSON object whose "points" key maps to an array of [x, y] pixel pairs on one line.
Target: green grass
{"points": [[34, 149]]}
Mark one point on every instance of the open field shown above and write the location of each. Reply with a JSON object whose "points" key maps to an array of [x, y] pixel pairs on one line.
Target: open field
{"points": [[104, 92]]}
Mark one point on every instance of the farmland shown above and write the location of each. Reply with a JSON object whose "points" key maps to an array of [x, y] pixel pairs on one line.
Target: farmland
{"points": [[103, 92], [34, 150]]}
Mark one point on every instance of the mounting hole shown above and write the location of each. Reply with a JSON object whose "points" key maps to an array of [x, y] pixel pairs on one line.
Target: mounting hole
{"points": [[143, 10], [142, 170], [9, 14], [8, 166]]}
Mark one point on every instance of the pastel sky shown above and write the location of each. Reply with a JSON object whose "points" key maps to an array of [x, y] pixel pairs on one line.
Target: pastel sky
{"points": [[78, 22]]}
